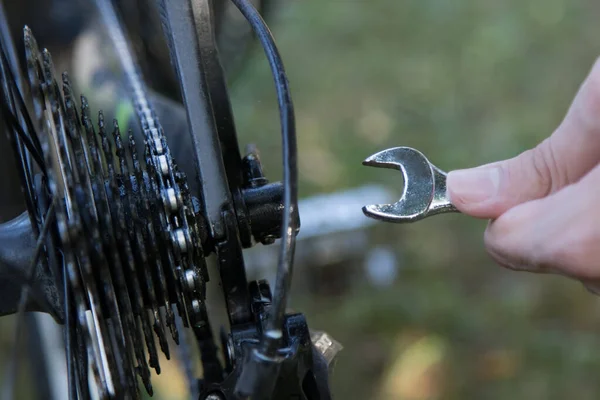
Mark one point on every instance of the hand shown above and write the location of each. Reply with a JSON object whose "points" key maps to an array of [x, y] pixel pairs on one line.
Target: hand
{"points": [[545, 203]]}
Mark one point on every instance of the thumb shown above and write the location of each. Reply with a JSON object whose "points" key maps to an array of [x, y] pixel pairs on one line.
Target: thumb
{"points": [[490, 190], [563, 158]]}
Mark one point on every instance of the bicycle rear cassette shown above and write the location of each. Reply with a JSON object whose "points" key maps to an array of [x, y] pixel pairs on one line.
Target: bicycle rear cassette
{"points": [[128, 229]]}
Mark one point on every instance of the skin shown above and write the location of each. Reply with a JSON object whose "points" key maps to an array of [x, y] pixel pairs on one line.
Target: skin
{"points": [[543, 205]]}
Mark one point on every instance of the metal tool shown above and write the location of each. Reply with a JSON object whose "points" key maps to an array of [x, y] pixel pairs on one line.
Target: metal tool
{"points": [[424, 192]]}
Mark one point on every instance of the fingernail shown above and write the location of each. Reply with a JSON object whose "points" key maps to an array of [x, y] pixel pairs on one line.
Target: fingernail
{"points": [[473, 185]]}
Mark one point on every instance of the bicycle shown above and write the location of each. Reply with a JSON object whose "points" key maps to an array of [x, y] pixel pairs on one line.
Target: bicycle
{"points": [[115, 239]]}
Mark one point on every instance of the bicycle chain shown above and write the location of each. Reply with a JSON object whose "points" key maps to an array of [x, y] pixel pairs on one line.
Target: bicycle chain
{"points": [[129, 232]]}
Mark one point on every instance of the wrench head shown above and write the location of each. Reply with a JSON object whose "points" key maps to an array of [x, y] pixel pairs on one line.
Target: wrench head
{"points": [[418, 190]]}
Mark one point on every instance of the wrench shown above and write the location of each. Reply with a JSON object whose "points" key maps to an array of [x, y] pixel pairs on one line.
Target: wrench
{"points": [[424, 192]]}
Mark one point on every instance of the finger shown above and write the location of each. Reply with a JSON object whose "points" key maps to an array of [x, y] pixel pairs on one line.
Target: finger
{"points": [[571, 151], [558, 234]]}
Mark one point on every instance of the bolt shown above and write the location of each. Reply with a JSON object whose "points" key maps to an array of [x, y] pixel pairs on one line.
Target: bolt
{"points": [[253, 168]]}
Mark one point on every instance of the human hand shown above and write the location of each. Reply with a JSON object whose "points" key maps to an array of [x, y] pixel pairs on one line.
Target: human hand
{"points": [[544, 204]]}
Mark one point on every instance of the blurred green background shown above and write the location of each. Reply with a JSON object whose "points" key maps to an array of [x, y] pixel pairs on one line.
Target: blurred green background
{"points": [[466, 82]]}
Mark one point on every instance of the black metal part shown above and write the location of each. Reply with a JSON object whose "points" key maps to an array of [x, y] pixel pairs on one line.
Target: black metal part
{"points": [[265, 211], [298, 371], [178, 235], [132, 238], [20, 238], [16, 252], [253, 170], [263, 201], [107, 236], [188, 27], [230, 258], [184, 23]]}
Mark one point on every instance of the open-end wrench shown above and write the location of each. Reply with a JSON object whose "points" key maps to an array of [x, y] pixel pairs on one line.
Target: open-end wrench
{"points": [[424, 192]]}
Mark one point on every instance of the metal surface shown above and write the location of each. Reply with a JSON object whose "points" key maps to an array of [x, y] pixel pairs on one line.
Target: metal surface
{"points": [[184, 258], [186, 23], [299, 370], [189, 31], [115, 220], [18, 241], [424, 192], [180, 222]]}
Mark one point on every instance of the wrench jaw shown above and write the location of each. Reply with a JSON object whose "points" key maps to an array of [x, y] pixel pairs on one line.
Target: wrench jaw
{"points": [[384, 212], [418, 189], [389, 158], [390, 213]]}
